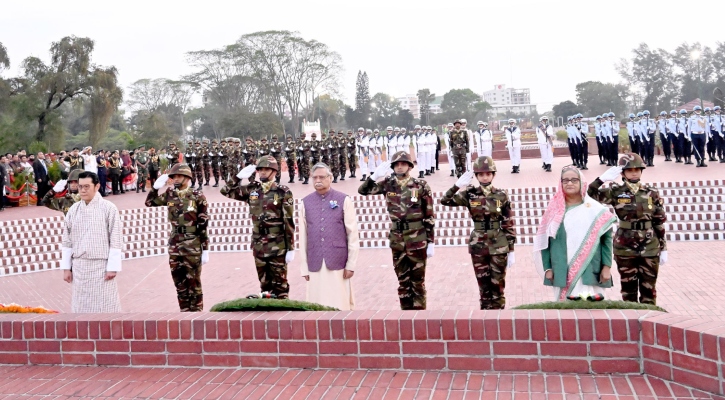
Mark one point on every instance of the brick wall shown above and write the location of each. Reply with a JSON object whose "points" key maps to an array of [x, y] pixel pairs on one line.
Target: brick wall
{"points": [[603, 342]]}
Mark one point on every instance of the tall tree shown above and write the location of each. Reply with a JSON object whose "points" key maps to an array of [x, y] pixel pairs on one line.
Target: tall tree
{"points": [[652, 76], [459, 100], [386, 109], [105, 97], [595, 97], [4, 58], [425, 97], [696, 71], [565, 109]]}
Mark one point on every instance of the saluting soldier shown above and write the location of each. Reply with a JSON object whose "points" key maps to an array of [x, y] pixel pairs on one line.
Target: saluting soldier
{"points": [[290, 157], [57, 200], [639, 243], [142, 163], [271, 207], [206, 160], [410, 207], [342, 153], [74, 160], [351, 153], [275, 149], [459, 146], [189, 239], [493, 237]]}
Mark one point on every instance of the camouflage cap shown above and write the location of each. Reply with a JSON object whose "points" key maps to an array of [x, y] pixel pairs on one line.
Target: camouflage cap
{"points": [[268, 162], [401, 156], [484, 164], [74, 175], [214, 141], [172, 143], [180, 169], [631, 160]]}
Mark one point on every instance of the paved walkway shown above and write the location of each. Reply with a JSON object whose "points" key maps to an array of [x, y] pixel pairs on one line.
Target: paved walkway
{"points": [[690, 284], [531, 176], [192, 383]]}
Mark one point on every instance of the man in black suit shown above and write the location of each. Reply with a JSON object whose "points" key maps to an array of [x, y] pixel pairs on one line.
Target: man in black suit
{"points": [[438, 146], [3, 172], [40, 170]]}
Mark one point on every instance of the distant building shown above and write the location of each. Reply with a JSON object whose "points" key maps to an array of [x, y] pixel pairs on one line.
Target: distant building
{"points": [[514, 108], [689, 106], [410, 102], [501, 95]]}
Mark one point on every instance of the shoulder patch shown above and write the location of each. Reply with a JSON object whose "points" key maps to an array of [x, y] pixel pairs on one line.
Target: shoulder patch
{"points": [[284, 188]]}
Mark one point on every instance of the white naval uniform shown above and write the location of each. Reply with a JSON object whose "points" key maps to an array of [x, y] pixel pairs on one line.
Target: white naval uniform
{"points": [[513, 139], [422, 152], [483, 140], [545, 136], [92, 245], [447, 140], [373, 157], [363, 153], [470, 149], [431, 149], [392, 145]]}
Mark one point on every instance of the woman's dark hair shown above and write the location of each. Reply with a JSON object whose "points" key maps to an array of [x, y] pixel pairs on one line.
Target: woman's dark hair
{"points": [[89, 174]]}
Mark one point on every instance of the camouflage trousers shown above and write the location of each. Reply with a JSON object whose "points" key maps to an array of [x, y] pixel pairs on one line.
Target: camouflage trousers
{"points": [[279, 173], [304, 167], [272, 274], [290, 162], [142, 175], [186, 272], [491, 276], [638, 273], [460, 163], [206, 166], [352, 162], [410, 269], [216, 170], [334, 164], [343, 165]]}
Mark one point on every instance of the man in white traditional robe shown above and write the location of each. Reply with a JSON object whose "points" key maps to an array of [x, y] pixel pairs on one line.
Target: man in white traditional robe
{"points": [[92, 250], [329, 242]]}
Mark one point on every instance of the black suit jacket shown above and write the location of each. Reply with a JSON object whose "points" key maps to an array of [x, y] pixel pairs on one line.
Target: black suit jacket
{"points": [[2, 178], [40, 173]]}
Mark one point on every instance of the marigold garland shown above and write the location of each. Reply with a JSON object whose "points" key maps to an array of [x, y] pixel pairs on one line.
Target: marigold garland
{"points": [[16, 308]]}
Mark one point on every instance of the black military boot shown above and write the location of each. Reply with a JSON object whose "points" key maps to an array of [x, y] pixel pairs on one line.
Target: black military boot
{"points": [[342, 177], [432, 170], [426, 173], [452, 173], [334, 180], [421, 174], [143, 188], [137, 189], [363, 178], [702, 162], [305, 182], [216, 183], [722, 160], [513, 170], [543, 166], [291, 179], [584, 167]]}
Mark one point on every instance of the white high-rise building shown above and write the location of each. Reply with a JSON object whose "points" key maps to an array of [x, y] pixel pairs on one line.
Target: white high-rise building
{"points": [[410, 102], [503, 99]]}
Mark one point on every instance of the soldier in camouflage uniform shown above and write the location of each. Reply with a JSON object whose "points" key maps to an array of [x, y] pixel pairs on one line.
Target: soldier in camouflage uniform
{"points": [[173, 154], [271, 207], [216, 160], [492, 240], [324, 149], [351, 152], [142, 171], [154, 165], [57, 202], [190, 159], [223, 158], [206, 158], [198, 153], [410, 206], [263, 149], [459, 147], [74, 160], [314, 150], [342, 150], [249, 153], [333, 157], [305, 160], [275, 149], [188, 240], [639, 243], [290, 153]]}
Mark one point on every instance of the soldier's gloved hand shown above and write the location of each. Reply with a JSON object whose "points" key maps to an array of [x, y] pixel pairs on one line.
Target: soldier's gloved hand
{"points": [[204, 257], [247, 171], [663, 257], [465, 179], [161, 181], [381, 171], [60, 186], [511, 260], [430, 251], [611, 174], [289, 256]]}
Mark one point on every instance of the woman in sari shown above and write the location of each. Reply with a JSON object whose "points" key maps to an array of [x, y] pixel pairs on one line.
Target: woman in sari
{"points": [[573, 245]]}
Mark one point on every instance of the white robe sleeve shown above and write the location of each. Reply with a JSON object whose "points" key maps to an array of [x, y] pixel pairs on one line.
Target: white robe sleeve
{"points": [[353, 237], [302, 241], [115, 241]]}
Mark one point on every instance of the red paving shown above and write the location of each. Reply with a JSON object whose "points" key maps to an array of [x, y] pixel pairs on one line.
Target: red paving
{"points": [[192, 383]]}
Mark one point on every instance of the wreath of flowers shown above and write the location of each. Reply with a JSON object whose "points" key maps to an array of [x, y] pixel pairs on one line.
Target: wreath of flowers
{"points": [[16, 308]]}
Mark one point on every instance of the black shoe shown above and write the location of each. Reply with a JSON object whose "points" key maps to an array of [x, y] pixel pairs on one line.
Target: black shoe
{"points": [[291, 180], [137, 189], [513, 170], [432, 170], [426, 173], [334, 180], [677, 160], [123, 192], [722, 160], [543, 166], [361, 180], [702, 163], [342, 178], [452, 174], [548, 167], [584, 167], [206, 184], [305, 182], [421, 175]]}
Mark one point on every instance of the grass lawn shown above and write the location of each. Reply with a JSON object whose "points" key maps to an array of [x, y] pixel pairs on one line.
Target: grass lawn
{"points": [[589, 305], [269, 305]]}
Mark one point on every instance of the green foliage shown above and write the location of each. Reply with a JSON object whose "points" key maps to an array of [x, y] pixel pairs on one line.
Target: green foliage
{"points": [[566, 109], [54, 172], [269, 305], [595, 98], [589, 305], [114, 140], [37, 147], [19, 179]]}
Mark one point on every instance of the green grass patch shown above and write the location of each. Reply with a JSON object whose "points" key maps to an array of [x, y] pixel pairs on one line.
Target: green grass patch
{"points": [[589, 305], [269, 305]]}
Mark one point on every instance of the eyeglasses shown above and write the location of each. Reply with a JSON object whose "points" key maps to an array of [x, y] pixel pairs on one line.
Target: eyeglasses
{"points": [[567, 181], [85, 187], [320, 178]]}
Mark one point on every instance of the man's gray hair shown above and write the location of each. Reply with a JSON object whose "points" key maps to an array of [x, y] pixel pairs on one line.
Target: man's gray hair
{"points": [[321, 165]]}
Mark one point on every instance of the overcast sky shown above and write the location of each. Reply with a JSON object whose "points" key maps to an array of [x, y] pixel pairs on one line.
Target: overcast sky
{"points": [[547, 46]]}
